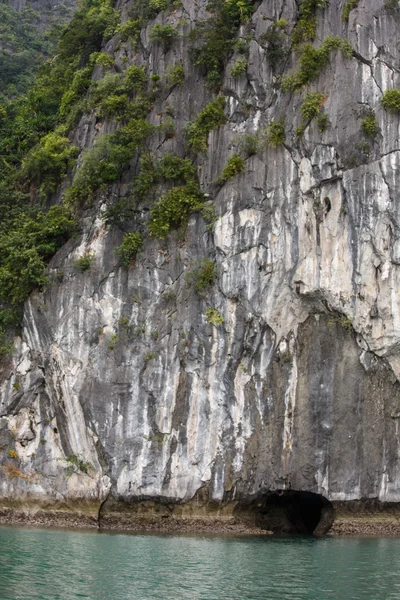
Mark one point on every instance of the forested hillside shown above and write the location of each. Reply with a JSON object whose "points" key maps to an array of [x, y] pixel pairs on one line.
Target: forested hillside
{"points": [[28, 34]]}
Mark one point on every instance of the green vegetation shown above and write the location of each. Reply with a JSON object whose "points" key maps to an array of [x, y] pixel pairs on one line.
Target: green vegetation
{"points": [[113, 341], [311, 108], [211, 117], [35, 155], [85, 262], [213, 41], [129, 248], [306, 24], [274, 42], [312, 105], [143, 11], [169, 296], [214, 317], [104, 60], [341, 320], [275, 133], [173, 168], [105, 162], [13, 454], [27, 38], [239, 68], [391, 100], [6, 344], [391, 4], [48, 162], [249, 144], [174, 209], [348, 7], [369, 125], [175, 75], [164, 35], [202, 276], [242, 46], [78, 464], [149, 356], [313, 61], [234, 165], [322, 122], [26, 242], [130, 30]]}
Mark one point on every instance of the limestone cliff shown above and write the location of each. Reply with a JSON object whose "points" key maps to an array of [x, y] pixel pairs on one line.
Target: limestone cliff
{"points": [[120, 388]]}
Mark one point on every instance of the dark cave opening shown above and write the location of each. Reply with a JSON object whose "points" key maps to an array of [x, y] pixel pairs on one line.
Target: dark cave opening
{"points": [[294, 512]]}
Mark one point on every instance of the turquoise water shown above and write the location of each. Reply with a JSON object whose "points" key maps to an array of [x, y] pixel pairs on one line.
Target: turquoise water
{"points": [[40, 564]]}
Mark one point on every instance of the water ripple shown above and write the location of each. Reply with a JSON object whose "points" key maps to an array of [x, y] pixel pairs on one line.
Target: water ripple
{"points": [[65, 565]]}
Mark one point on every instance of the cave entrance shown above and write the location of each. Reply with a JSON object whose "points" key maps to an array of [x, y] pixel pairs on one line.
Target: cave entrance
{"points": [[294, 512]]}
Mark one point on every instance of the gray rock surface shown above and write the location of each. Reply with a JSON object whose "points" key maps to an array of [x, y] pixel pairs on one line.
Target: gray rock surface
{"points": [[299, 387]]}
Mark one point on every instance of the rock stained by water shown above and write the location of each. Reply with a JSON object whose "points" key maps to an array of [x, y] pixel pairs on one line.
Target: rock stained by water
{"points": [[298, 388]]}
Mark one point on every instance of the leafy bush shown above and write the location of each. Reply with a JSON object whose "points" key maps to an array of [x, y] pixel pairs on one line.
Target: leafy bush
{"points": [[105, 162], [348, 7], [306, 24], [312, 105], [174, 168], [103, 59], [46, 164], [211, 117], [322, 122], [212, 41], [202, 275], [6, 344], [314, 60], [214, 317], [392, 4], [274, 41], [239, 68], [175, 75], [174, 209], [249, 144], [84, 263], [79, 464], [234, 165], [164, 35], [158, 5], [129, 248], [369, 125], [275, 133], [130, 30], [136, 78], [391, 100], [25, 244]]}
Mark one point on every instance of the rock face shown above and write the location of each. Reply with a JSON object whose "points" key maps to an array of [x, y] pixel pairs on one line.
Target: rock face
{"points": [[299, 387]]}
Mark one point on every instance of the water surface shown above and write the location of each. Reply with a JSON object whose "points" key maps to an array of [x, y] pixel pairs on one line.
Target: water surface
{"points": [[37, 564]]}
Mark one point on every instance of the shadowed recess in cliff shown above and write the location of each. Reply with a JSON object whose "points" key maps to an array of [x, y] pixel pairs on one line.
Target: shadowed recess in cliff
{"points": [[294, 512]]}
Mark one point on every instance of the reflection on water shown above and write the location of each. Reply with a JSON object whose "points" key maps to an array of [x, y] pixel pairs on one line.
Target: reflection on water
{"points": [[50, 565]]}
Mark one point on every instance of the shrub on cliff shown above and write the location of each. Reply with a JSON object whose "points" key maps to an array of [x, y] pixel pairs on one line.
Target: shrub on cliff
{"points": [[129, 248], [212, 41], [164, 35], [47, 163], [234, 165], [211, 117], [391, 100], [174, 209], [314, 60]]}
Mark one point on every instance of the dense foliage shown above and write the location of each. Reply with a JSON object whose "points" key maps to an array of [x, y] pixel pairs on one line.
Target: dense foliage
{"points": [[213, 40], [25, 38], [35, 156]]}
